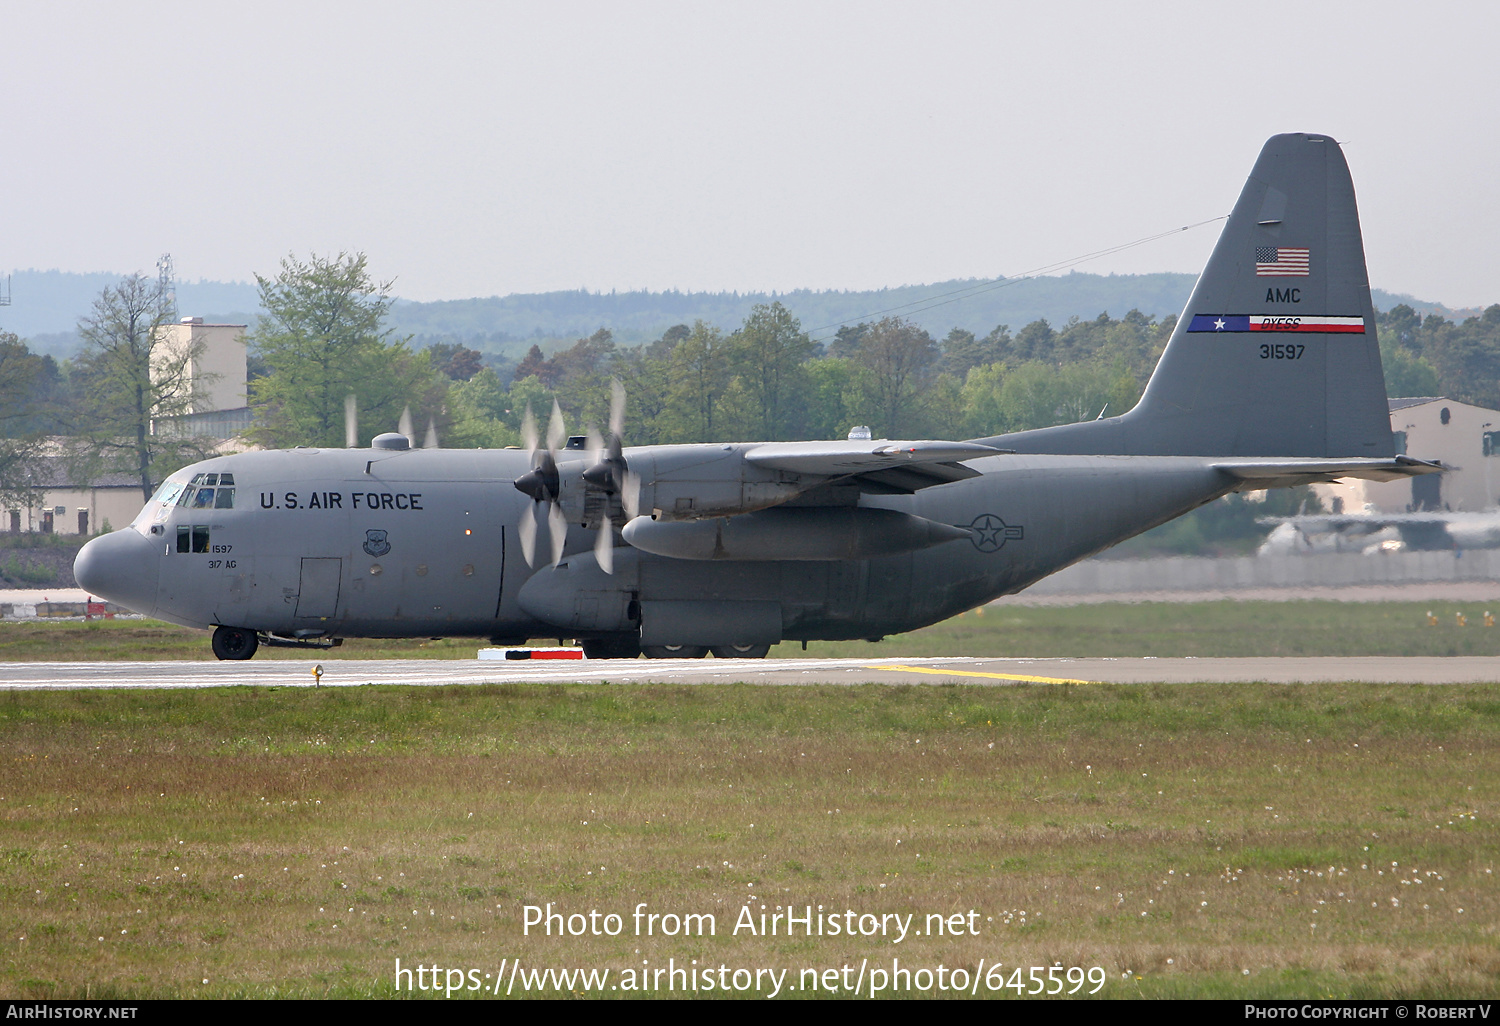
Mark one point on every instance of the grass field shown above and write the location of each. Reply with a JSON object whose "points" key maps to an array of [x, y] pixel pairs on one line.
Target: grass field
{"points": [[1108, 629], [1202, 841]]}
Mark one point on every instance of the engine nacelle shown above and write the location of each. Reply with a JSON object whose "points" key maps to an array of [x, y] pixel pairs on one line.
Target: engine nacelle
{"points": [[689, 482]]}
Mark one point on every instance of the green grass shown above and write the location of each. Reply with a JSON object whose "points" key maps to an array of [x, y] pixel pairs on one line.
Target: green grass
{"points": [[38, 540], [291, 842], [134, 639], [1226, 628], [1108, 629], [26, 572]]}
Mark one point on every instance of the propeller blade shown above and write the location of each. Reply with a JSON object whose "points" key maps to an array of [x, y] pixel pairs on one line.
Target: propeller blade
{"points": [[604, 548], [528, 432], [616, 407], [557, 526], [595, 443], [351, 422], [630, 495], [431, 442], [405, 424], [557, 433], [526, 529]]}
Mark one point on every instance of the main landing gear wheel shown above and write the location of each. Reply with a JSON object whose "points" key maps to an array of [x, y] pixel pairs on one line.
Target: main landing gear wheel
{"points": [[674, 651], [740, 651], [628, 647], [235, 643]]}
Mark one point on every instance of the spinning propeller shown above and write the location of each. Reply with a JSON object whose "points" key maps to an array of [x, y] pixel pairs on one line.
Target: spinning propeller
{"points": [[542, 483], [611, 474], [351, 425]]}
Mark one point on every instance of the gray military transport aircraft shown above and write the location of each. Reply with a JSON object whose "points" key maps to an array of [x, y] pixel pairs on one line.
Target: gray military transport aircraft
{"points": [[1271, 378]]}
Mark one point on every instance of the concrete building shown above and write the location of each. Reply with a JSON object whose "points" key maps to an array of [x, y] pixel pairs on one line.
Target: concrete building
{"points": [[1464, 438], [217, 372], [107, 503]]}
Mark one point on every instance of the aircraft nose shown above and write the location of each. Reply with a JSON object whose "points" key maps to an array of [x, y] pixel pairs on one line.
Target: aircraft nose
{"points": [[120, 567]]}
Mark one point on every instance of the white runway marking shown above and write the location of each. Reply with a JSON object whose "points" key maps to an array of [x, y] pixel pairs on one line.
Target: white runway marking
{"points": [[957, 670]]}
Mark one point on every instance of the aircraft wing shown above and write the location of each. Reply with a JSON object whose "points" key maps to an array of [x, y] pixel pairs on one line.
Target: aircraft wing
{"points": [[1281, 473], [1428, 530], [882, 466]]}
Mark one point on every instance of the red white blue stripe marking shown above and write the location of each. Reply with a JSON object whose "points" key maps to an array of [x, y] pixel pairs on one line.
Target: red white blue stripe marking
{"points": [[1298, 323]]}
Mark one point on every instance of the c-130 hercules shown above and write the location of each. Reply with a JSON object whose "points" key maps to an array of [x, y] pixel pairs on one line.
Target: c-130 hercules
{"points": [[1271, 378]]}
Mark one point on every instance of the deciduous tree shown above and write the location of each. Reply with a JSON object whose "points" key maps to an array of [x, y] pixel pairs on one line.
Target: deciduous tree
{"points": [[20, 443], [902, 360], [769, 352], [130, 382], [322, 339], [454, 361]]}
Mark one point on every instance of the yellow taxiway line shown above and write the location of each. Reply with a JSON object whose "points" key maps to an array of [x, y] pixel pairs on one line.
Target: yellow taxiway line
{"points": [[975, 673]]}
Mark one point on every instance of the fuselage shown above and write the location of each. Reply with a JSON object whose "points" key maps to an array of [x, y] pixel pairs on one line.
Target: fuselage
{"points": [[314, 543]]}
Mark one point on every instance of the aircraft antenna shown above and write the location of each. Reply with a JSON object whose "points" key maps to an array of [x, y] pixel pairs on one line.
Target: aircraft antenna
{"points": [[1005, 281]]}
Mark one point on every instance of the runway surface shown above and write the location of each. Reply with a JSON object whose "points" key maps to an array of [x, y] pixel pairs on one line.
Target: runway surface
{"points": [[428, 672]]}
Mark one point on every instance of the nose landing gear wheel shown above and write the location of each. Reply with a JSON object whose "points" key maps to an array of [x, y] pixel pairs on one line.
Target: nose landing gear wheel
{"points": [[234, 643], [674, 651], [740, 651]]}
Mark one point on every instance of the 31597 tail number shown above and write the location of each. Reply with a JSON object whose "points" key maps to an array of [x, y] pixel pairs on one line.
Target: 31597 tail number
{"points": [[1282, 351]]}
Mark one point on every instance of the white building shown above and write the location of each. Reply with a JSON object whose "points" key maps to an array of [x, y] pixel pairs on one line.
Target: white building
{"points": [[217, 371], [1464, 438], [108, 503]]}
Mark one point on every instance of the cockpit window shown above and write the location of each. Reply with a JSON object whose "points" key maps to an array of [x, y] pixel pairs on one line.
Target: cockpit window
{"points": [[193, 538], [201, 493], [168, 492], [155, 511]]}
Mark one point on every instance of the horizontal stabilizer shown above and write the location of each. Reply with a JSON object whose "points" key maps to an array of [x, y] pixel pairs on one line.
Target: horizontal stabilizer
{"points": [[1280, 473]]}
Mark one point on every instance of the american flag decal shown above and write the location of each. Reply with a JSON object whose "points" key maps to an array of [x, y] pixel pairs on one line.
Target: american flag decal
{"points": [[1281, 261]]}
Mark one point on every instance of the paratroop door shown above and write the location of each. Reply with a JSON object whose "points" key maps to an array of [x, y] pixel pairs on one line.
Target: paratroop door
{"points": [[319, 594]]}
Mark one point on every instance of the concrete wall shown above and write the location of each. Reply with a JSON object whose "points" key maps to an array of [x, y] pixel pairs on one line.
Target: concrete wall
{"points": [[1188, 573], [44, 610], [116, 506]]}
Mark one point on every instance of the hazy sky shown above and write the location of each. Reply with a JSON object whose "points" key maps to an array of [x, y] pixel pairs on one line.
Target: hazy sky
{"points": [[487, 148]]}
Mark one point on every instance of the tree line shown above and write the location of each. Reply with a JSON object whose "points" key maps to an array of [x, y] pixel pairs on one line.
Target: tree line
{"points": [[1435, 356], [324, 337], [771, 380]]}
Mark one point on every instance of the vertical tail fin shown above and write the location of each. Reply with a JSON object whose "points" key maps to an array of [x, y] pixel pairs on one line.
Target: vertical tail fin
{"points": [[1275, 354]]}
